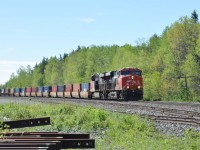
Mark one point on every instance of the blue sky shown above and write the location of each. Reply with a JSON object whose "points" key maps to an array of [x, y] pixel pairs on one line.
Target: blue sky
{"points": [[32, 29]]}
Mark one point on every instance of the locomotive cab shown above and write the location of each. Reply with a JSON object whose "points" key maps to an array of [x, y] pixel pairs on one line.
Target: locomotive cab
{"points": [[130, 82], [131, 78]]}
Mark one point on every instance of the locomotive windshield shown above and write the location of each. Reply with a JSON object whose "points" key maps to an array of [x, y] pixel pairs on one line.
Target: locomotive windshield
{"points": [[126, 72], [129, 72], [136, 72]]}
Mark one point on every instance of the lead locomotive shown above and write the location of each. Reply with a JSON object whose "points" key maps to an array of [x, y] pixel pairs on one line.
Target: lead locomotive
{"points": [[126, 83]]}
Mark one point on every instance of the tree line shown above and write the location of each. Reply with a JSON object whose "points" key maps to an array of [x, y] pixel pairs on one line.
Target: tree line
{"points": [[170, 63]]}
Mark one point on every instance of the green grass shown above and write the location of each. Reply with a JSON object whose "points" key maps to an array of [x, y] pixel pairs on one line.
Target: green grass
{"points": [[112, 131]]}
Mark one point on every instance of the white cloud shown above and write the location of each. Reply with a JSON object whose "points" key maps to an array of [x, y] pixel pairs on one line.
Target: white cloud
{"points": [[86, 20], [8, 67]]}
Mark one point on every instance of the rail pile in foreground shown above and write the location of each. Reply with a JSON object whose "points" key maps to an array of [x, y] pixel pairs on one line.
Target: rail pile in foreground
{"points": [[41, 140], [45, 140]]}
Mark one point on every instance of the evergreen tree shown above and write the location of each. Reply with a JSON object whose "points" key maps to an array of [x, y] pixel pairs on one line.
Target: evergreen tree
{"points": [[194, 16], [65, 55]]}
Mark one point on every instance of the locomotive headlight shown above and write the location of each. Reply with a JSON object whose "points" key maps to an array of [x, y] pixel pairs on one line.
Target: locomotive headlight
{"points": [[139, 87], [127, 86], [132, 77]]}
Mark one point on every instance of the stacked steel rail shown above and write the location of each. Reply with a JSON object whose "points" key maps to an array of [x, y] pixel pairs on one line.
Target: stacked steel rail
{"points": [[41, 140]]}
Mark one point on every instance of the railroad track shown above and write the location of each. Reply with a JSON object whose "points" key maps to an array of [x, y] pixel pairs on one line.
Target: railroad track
{"points": [[160, 113]]}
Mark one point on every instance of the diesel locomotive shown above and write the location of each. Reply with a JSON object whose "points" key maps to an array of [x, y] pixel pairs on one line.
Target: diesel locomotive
{"points": [[123, 84]]}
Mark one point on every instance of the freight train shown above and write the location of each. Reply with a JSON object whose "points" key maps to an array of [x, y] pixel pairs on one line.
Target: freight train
{"points": [[123, 84]]}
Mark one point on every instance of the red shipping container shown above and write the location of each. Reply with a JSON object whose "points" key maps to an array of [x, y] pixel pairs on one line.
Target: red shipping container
{"points": [[68, 87], [76, 87], [54, 88], [34, 89], [28, 89]]}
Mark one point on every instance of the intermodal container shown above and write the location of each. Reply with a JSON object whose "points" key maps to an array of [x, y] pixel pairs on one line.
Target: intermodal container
{"points": [[85, 95], [53, 93], [28, 91], [76, 90], [60, 92], [68, 87], [76, 94], [54, 88], [23, 92], [47, 90], [2, 90], [61, 88], [12, 91], [34, 91], [40, 89], [7, 91], [17, 91], [76, 87], [85, 87], [68, 90]]}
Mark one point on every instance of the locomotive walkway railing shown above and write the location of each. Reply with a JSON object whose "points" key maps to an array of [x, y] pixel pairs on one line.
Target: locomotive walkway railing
{"points": [[41, 140]]}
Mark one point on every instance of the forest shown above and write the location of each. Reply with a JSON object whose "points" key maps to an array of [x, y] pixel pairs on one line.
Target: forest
{"points": [[170, 63]]}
